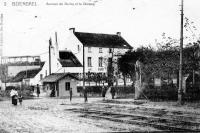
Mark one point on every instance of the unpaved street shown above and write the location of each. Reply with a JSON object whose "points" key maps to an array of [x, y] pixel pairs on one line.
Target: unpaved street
{"points": [[120, 115]]}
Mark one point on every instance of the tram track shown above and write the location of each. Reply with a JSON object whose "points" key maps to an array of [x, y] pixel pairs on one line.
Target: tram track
{"points": [[164, 123]]}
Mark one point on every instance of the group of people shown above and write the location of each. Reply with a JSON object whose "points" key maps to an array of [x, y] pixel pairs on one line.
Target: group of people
{"points": [[111, 89], [18, 97]]}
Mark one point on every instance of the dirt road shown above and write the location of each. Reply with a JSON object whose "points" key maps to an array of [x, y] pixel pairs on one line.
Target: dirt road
{"points": [[60, 116]]}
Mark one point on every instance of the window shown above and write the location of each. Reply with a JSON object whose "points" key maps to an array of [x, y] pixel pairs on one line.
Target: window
{"points": [[89, 61], [67, 86], [41, 76], [110, 50], [100, 50], [78, 48], [89, 50], [100, 61]]}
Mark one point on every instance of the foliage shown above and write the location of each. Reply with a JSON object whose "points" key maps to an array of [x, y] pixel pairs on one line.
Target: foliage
{"points": [[163, 62], [191, 57], [127, 62], [97, 90], [3, 72], [165, 92], [91, 89], [95, 77]]}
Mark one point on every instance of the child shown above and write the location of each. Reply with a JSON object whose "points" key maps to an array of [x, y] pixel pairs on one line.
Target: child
{"points": [[20, 99]]}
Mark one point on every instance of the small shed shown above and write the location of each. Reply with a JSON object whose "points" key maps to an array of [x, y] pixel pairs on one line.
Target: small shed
{"points": [[59, 84]]}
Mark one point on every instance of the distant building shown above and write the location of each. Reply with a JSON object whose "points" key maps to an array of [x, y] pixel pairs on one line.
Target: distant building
{"points": [[15, 70], [15, 64], [29, 77]]}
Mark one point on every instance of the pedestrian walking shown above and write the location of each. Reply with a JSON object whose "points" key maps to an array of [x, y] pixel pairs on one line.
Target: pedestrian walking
{"points": [[70, 94], [112, 92], [103, 92], [38, 90]]}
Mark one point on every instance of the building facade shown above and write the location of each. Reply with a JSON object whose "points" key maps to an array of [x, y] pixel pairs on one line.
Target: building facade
{"points": [[97, 50]]}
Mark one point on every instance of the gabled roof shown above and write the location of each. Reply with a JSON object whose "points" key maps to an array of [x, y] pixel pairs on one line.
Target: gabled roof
{"points": [[102, 40], [54, 77], [31, 73], [68, 59]]}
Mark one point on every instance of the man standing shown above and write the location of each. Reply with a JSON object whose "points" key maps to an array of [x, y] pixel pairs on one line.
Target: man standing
{"points": [[103, 92], [85, 94], [112, 92], [38, 90], [70, 94]]}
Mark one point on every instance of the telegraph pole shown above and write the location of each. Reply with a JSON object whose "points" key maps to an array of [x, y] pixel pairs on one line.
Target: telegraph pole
{"points": [[50, 45], [84, 89], [180, 90]]}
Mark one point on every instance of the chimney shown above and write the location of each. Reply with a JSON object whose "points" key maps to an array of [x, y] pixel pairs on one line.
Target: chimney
{"points": [[119, 33], [72, 30]]}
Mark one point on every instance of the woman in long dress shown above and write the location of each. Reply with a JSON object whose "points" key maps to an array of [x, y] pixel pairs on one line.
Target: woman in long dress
{"points": [[108, 93], [14, 96]]}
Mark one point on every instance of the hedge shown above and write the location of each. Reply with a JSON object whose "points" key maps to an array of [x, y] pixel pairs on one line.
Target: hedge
{"points": [[165, 92], [98, 89]]}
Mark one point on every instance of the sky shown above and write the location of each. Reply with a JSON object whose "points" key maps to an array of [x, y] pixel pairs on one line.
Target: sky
{"points": [[26, 30]]}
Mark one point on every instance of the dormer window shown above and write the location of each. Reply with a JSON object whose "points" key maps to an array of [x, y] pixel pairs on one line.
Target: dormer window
{"points": [[110, 50], [78, 48]]}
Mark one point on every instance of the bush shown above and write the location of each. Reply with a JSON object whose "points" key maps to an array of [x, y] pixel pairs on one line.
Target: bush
{"points": [[9, 88], [4, 93], [192, 93], [124, 90], [91, 89], [97, 90], [165, 92]]}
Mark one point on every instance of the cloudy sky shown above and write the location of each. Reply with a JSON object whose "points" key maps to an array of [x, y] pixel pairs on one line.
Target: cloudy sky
{"points": [[28, 29]]}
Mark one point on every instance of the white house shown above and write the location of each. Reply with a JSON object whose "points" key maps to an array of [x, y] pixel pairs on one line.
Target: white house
{"points": [[98, 49]]}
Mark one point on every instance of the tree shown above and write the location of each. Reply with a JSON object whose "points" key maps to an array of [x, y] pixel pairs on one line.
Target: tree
{"points": [[126, 63], [4, 73], [191, 59]]}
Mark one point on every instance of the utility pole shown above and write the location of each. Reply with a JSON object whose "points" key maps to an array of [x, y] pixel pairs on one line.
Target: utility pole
{"points": [[112, 67], [84, 89], [26, 67], [50, 45], [180, 90]]}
